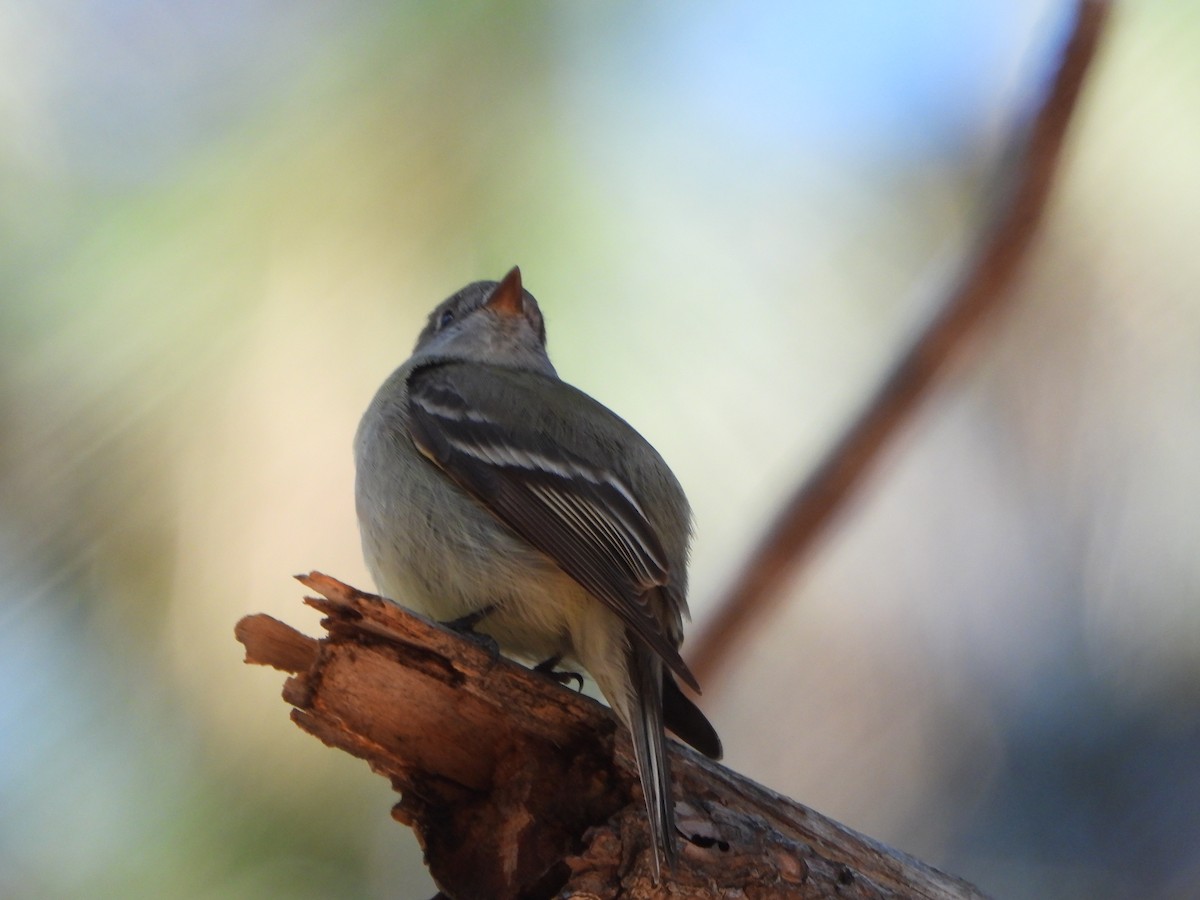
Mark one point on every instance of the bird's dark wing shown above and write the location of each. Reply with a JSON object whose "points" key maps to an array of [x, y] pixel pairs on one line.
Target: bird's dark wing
{"points": [[583, 516]]}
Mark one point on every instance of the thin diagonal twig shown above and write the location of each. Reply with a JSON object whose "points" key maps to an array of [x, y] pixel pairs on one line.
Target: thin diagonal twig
{"points": [[978, 290]]}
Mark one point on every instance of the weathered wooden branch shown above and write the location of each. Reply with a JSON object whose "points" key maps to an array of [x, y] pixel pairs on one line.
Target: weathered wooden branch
{"points": [[519, 787], [981, 287]]}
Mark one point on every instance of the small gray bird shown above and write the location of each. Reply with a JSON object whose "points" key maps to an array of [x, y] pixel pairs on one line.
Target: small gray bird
{"points": [[492, 493]]}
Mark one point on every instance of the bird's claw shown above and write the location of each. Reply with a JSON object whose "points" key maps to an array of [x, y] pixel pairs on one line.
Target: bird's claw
{"points": [[562, 676], [465, 627]]}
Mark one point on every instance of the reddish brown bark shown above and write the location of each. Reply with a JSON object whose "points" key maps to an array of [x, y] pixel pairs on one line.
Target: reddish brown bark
{"points": [[519, 787]]}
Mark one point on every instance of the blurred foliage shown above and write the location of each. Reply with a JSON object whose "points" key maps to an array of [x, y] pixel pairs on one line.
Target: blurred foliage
{"points": [[221, 225]]}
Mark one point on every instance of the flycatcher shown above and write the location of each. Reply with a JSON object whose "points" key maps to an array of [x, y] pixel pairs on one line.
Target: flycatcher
{"points": [[490, 491]]}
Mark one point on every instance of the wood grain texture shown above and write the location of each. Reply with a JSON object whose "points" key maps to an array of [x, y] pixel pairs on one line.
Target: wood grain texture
{"points": [[519, 787]]}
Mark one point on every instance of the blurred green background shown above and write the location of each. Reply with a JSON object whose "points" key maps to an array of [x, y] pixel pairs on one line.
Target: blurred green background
{"points": [[221, 225]]}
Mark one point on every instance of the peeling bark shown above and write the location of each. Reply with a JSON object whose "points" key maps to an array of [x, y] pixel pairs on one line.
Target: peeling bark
{"points": [[519, 787]]}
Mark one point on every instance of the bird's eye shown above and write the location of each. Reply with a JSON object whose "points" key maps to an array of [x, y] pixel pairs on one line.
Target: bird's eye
{"points": [[446, 318]]}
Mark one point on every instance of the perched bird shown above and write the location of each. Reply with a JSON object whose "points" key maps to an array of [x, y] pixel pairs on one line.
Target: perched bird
{"points": [[492, 493]]}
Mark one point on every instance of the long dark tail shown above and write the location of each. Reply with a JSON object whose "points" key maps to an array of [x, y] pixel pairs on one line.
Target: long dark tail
{"points": [[684, 718], [650, 751]]}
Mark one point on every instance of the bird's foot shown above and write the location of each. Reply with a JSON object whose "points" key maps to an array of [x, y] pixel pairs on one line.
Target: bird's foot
{"points": [[548, 668], [465, 626]]}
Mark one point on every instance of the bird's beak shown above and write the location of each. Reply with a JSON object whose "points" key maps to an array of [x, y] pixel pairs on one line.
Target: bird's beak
{"points": [[508, 298]]}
